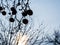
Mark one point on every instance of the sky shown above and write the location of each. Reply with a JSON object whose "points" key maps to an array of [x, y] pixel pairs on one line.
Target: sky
{"points": [[46, 11]]}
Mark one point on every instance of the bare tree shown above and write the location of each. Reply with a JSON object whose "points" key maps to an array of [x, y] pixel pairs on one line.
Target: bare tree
{"points": [[20, 28], [53, 39]]}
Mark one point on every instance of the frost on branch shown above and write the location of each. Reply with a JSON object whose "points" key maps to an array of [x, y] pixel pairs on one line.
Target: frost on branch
{"points": [[16, 24]]}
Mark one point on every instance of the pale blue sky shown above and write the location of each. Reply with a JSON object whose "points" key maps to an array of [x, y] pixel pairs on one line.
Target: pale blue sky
{"points": [[47, 11]]}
